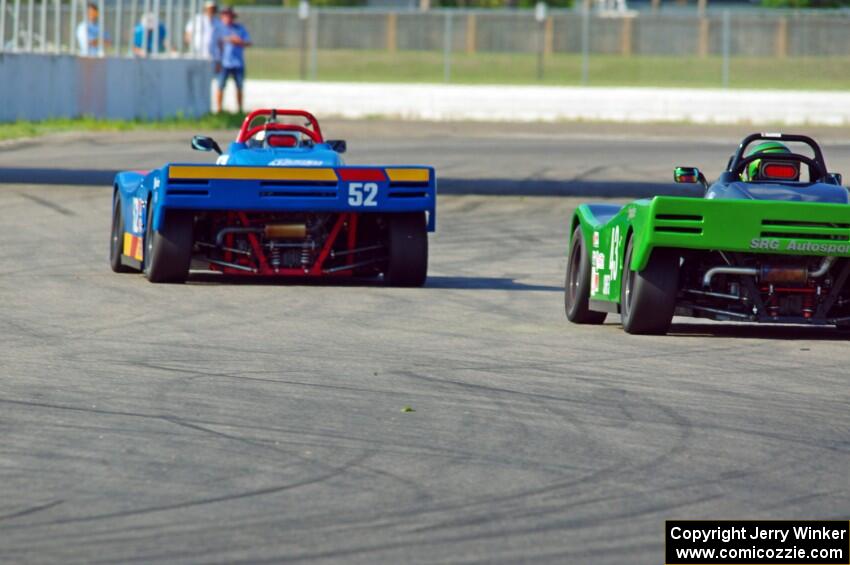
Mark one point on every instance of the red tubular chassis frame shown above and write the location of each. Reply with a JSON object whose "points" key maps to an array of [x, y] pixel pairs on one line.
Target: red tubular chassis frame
{"points": [[345, 221]]}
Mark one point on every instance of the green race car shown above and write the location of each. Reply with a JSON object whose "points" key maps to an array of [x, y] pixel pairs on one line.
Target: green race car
{"points": [[766, 244]]}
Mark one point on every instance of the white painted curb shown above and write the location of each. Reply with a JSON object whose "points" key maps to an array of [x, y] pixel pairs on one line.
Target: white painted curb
{"points": [[550, 104]]}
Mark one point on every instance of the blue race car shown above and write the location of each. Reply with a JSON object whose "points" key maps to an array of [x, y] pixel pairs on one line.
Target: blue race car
{"points": [[281, 202]]}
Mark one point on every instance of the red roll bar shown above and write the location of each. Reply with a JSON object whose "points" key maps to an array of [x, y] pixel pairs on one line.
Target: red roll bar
{"points": [[246, 132]]}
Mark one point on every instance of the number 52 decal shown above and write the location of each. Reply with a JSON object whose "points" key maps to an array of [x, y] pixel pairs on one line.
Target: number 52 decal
{"points": [[362, 194]]}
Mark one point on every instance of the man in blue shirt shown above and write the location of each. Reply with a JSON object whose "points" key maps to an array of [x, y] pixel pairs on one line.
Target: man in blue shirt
{"points": [[88, 33], [143, 36], [229, 42]]}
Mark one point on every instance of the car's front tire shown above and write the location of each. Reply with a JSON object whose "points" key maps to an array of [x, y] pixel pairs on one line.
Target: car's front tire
{"points": [[168, 252], [116, 241], [407, 257], [577, 283], [648, 297]]}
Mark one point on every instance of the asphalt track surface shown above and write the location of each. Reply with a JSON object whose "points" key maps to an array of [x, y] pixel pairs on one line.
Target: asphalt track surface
{"points": [[217, 422]]}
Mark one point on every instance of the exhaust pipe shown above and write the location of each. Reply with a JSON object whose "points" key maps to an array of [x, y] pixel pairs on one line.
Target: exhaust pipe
{"points": [[709, 274], [270, 231], [770, 274], [285, 231], [824, 267]]}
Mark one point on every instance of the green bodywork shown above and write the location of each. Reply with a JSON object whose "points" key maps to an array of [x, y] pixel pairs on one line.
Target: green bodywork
{"points": [[749, 226]]}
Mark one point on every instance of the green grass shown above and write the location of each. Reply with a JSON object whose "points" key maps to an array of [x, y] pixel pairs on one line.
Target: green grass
{"points": [[16, 130], [814, 73], [796, 73]]}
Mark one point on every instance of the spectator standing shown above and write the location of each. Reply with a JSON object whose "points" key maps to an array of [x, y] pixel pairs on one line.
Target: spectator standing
{"points": [[144, 36], [200, 29], [88, 32], [229, 42]]}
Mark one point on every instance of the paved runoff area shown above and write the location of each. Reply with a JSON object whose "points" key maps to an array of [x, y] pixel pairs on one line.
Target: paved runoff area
{"points": [[230, 422]]}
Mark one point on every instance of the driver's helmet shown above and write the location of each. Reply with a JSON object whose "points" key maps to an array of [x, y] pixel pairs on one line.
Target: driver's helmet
{"points": [[764, 147]]}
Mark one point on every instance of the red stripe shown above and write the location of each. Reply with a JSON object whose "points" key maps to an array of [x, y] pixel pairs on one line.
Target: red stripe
{"points": [[369, 175]]}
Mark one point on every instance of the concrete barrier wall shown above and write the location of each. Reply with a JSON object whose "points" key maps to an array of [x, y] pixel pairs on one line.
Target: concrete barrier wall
{"points": [[36, 87], [551, 104]]}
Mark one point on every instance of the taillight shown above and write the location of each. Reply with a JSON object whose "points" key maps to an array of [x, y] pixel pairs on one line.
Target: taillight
{"points": [[780, 171]]}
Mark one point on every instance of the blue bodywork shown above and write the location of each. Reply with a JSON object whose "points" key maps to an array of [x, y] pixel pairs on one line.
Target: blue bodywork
{"points": [[250, 192], [783, 191], [319, 155]]}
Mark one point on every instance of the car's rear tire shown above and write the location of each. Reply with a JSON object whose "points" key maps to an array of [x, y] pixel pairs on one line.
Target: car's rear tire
{"points": [[407, 253], [577, 283], [370, 233], [116, 241], [168, 252], [648, 297]]}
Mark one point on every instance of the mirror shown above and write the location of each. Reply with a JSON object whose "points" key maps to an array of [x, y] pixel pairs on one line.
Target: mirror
{"points": [[204, 143], [688, 175], [837, 178], [338, 145]]}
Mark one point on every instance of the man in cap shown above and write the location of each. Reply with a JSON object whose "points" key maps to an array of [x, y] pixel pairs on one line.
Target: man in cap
{"points": [[199, 31], [229, 42], [88, 32]]}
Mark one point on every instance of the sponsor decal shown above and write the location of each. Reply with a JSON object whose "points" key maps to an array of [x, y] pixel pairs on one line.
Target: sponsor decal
{"points": [[138, 215], [632, 213], [817, 247], [133, 246], [594, 281], [600, 261], [295, 163], [606, 285], [614, 256], [764, 243], [596, 239], [772, 244]]}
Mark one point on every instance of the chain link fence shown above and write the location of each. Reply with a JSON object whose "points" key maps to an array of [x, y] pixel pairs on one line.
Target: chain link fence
{"points": [[737, 48], [52, 26]]}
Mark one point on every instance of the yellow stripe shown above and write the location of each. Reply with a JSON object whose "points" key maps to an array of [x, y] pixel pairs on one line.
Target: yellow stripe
{"points": [[409, 175], [128, 244], [252, 173], [129, 241]]}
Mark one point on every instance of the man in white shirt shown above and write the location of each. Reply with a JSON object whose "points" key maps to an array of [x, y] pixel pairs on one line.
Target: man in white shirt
{"points": [[88, 32], [199, 31]]}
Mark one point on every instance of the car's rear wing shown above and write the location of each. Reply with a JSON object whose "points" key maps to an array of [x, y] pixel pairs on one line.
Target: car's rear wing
{"points": [[300, 189], [759, 226]]}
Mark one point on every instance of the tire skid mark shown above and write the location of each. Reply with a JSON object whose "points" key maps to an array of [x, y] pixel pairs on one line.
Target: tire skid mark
{"points": [[609, 472], [437, 541], [47, 204], [303, 432], [207, 500], [31, 510]]}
